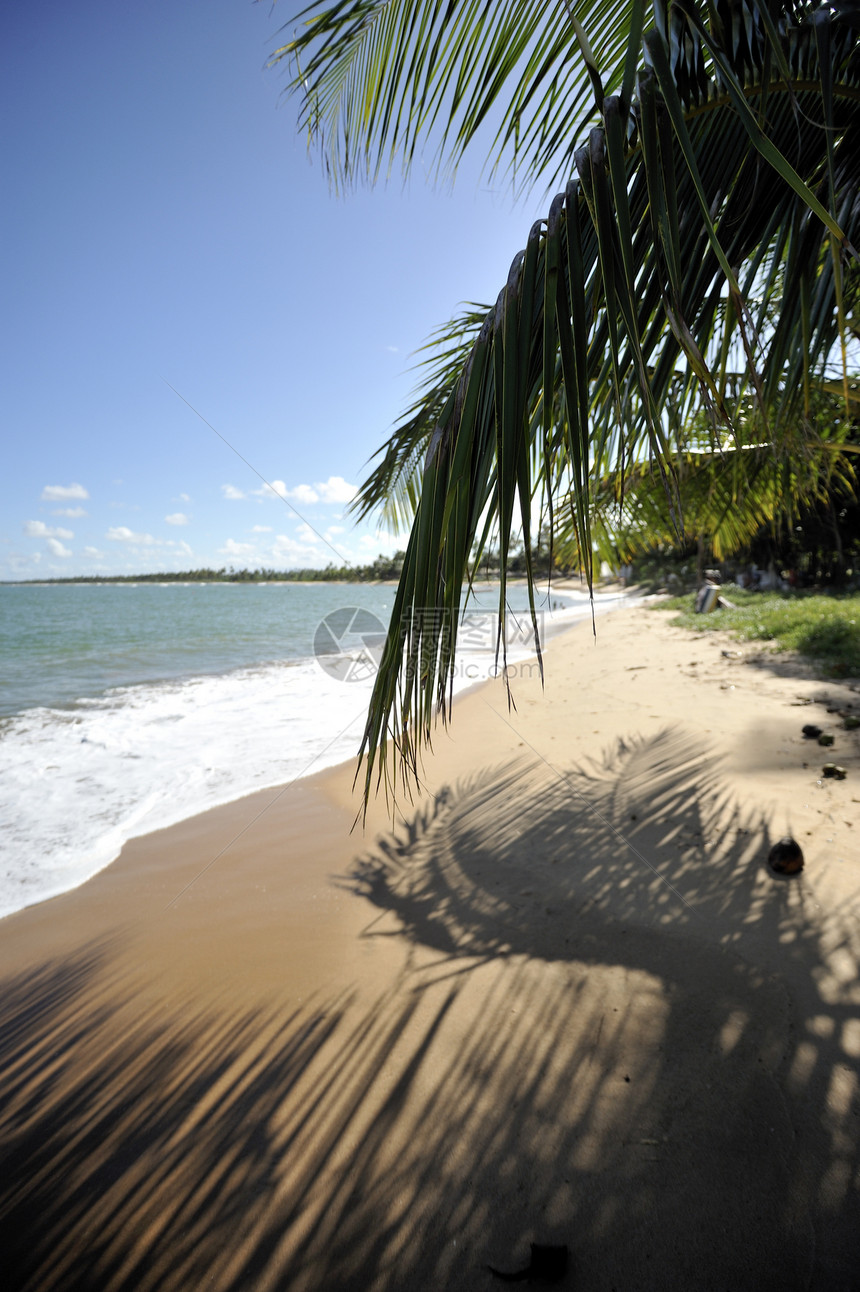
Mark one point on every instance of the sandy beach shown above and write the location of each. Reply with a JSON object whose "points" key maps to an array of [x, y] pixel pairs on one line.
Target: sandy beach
{"points": [[560, 999]]}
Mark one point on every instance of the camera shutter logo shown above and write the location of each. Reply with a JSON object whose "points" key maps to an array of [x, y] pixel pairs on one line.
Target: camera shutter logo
{"points": [[348, 644]]}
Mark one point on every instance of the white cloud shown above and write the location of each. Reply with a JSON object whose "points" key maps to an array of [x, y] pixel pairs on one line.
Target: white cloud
{"points": [[177, 518], [72, 512], [122, 534], [333, 490], [261, 529], [336, 489], [59, 493], [380, 542], [305, 532], [23, 564], [38, 529], [232, 548], [94, 552], [184, 497], [334, 529], [231, 492], [57, 548], [183, 549], [284, 546], [302, 493]]}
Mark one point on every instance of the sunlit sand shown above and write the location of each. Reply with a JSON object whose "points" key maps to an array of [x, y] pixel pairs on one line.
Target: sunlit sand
{"points": [[559, 999]]}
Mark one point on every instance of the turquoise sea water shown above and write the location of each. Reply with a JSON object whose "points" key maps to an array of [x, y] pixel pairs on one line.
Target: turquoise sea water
{"points": [[125, 708], [60, 643]]}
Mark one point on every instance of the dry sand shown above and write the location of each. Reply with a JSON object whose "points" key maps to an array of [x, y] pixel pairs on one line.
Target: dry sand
{"points": [[560, 1000]]}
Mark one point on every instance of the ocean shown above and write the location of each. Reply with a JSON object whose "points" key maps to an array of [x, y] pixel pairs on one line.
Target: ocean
{"points": [[125, 708]]}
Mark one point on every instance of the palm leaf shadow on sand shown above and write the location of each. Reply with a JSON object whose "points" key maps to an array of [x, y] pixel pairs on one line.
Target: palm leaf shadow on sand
{"points": [[646, 860], [509, 861], [594, 1062]]}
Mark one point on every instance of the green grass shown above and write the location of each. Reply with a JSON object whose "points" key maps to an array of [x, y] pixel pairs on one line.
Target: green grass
{"points": [[823, 627]]}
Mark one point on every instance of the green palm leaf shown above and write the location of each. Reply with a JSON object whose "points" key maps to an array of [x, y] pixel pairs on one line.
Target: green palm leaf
{"points": [[377, 77]]}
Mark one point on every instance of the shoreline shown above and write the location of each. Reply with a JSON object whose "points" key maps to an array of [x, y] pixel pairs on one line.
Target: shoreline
{"points": [[561, 999], [160, 581], [129, 796]]}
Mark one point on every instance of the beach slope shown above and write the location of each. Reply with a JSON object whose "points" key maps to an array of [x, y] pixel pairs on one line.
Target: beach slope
{"points": [[560, 999]]}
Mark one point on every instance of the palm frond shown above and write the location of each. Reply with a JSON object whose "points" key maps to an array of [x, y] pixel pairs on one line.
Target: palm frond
{"points": [[393, 487], [712, 217], [378, 77]]}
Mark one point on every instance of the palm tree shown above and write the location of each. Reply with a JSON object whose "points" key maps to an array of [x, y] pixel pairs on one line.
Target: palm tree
{"points": [[710, 155]]}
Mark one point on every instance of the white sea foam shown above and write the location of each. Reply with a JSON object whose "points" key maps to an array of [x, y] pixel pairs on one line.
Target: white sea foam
{"points": [[77, 783]]}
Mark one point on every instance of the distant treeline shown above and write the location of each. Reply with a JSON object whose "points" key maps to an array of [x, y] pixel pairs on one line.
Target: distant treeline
{"points": [[384, 567]]}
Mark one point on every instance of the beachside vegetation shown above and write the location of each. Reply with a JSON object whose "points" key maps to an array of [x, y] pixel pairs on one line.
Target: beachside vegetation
{"points": [[790, 505], [541, 557], [707, 158], [824, 627]]}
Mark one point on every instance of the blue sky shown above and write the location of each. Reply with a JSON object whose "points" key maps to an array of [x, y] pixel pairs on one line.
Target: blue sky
{"points": [[163, 222]]}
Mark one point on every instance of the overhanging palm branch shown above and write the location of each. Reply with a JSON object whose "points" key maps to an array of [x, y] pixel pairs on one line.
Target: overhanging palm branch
{"points": [[379, 77], [393, 488], [717, 192]]}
